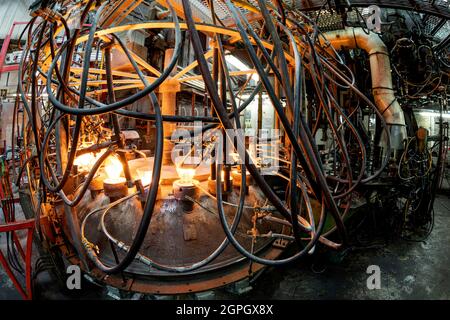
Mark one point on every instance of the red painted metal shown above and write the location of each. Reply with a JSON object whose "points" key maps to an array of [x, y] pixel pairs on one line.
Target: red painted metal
{"points": [[9, 68], [28, 225], [25, 253], [4, 50]]}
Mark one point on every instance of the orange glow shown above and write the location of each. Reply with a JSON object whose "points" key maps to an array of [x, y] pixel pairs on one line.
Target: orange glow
{"points": [[145, 176], [186, 175], [222, 176], [113, 168], [86, 160]]}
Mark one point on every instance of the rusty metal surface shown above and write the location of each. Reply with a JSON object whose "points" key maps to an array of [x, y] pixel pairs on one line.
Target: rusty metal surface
{"points": [[175, 238], [185, 284]]}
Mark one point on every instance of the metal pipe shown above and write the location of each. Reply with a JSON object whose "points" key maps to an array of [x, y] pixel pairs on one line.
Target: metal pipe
{"points": [[380, 66]]}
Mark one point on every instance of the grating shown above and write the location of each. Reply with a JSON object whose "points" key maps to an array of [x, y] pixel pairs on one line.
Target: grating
{"points": [[220, 9], [444, 31], [431, 23], [327, 20]]}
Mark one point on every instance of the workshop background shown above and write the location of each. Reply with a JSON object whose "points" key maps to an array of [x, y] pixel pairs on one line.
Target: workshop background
{"points": [[361, 178]]}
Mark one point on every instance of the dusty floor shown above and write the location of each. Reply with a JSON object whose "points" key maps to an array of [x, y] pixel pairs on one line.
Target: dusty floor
{"points": [[409, 270]]}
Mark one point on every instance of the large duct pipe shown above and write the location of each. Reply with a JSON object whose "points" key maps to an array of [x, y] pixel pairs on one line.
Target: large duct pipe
{"points": [[380, 66]]}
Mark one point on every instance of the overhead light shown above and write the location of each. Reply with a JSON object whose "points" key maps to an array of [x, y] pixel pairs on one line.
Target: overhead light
{"points": [[238, 64], [235, 62], [434, 114]]}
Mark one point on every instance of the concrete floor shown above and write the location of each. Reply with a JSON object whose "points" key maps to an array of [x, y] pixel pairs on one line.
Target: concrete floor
{"points": [[409, 270], [7, 290]]}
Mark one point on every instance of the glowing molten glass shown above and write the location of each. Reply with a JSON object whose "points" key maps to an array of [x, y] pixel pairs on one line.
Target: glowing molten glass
{"points": [[145, 176], [186, 175], [113, 168], [222, 176], [86, 160]]}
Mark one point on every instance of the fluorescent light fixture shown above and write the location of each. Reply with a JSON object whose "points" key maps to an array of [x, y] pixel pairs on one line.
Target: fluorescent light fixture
{"points": [[238, 64], [235, 62], [434, 114]]}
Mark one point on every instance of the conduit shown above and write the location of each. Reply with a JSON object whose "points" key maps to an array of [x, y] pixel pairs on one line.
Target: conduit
{"points": [[380, 66]]}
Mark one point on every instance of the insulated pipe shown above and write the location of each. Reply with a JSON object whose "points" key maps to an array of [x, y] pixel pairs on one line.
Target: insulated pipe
{"points": [[168, 90], [380, 66]]}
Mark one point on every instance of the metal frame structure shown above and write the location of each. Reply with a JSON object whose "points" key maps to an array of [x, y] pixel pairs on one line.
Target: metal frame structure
{"points": [[4, 50], [286, 51], [28, 225]]}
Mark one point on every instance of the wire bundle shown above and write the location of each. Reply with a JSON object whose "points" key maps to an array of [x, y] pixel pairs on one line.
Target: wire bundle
{"points": [[54, 130]]}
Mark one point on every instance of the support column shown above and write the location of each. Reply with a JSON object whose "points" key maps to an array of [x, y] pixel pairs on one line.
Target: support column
{"points": [[168, 91]]}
